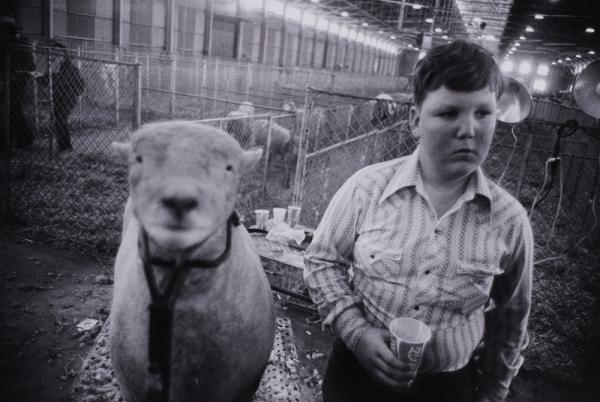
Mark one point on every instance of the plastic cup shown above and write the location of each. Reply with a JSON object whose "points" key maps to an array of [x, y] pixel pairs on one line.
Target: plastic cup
{"points": [[293, 215], [262, 216], [279, 215], [408, 339]]}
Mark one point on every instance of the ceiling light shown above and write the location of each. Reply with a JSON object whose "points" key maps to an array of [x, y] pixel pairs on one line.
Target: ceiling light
{"points": [[421, 55], [590, 30], [380, 32], [567, 59], [410, 45], [553, 63], [507, 66], [525, 67], [344, 13], [591, 52], [393, 37], [517, 44], [514, 49], [559, 61], [438, 30], [522, 37], [528, 29], [429, 20], [417, 6], [444, 36], [578, 56], [538, 17], [364, 24], [314, 1]]}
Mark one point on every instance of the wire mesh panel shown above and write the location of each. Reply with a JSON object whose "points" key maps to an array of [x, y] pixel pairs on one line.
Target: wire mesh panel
{"points": [[342, 134], [65, 112]]}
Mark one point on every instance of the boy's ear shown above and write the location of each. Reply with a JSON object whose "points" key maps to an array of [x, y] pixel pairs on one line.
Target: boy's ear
{"points": [[414, 119]]}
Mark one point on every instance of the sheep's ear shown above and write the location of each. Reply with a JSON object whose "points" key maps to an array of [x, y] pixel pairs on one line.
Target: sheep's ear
{"points": [[250, 158], [122, 149]]}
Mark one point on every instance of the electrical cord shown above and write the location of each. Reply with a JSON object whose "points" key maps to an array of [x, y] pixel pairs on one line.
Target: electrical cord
{"points": [[512, 152]]}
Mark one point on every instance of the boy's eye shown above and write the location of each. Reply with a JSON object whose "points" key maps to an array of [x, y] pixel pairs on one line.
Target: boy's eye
{"points": [[447, 113], [483, 113]]}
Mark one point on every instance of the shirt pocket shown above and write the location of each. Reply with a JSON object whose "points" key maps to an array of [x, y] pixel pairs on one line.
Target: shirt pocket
{"points": [[469, 288], [382, 263]]}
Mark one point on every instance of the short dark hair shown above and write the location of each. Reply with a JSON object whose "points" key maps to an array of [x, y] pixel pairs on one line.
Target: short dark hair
{"points": [[459, 66]]}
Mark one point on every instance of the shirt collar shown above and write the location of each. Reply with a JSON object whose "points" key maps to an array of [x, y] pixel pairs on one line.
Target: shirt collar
{"points": [[409, 175]]}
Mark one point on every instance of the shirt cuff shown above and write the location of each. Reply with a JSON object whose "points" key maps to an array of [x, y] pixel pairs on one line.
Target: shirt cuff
{"points": [[350, 325], [494, 389]]}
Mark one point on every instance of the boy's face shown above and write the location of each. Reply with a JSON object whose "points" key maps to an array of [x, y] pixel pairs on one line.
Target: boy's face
{"points": [[455, 130]]}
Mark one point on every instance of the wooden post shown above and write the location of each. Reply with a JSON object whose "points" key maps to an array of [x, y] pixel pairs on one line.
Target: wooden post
{"points": [[137, 100]]}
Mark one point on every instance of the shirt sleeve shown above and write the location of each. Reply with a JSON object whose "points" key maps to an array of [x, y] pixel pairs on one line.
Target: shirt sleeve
{"points": [[327, 261], [506, 323]]}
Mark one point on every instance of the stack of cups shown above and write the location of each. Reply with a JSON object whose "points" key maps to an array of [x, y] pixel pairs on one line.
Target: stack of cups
{"points": [[278, 215], [262, 216], [293, 215]]}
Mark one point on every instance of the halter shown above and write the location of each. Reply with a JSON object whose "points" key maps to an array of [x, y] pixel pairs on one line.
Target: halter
{"points": [[161, 307]]}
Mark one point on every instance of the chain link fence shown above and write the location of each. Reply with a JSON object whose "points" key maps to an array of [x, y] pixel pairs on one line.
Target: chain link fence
{"points": [[61, 114]]}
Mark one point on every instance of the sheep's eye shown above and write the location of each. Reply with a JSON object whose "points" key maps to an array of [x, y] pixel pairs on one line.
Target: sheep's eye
{"points": [[138, 159], [229, 168]]}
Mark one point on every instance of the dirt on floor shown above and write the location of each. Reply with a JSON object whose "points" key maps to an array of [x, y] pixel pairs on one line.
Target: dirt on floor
{"points": [[46, 293]]}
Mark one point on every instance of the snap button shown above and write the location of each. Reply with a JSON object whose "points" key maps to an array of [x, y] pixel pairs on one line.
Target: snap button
{"points": [[416, 307]]}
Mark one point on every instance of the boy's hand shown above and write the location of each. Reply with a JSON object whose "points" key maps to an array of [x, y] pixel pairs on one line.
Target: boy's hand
{"points": [[376, 357]]}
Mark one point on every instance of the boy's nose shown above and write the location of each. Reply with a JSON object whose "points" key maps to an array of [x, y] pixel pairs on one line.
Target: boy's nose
{"points": [[466, 128]]}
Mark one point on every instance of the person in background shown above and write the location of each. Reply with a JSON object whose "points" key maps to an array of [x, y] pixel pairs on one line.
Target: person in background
{"points": [[428, 236], [68, 85], [21, 69]]}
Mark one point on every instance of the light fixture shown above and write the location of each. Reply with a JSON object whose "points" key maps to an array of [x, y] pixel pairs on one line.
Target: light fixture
{"points": [[314, 1], [514, 49], [393, 37], [410, 45], [538, 17], [567, 59], [511, 52], [591, 52], [507, 66], [540, 85], [344, 13], [421, 55], [438, 30], [517, 44], [559, 61], [543, 70], [417, 6], [528, 29], [364, 24], [590, 30], [380, 32], [429, 20], [525, 67], [578, 56], [522, 37], [444, 36], [553, 63]]}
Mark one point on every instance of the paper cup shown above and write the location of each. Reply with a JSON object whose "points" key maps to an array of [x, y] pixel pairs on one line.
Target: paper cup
{"points": [[279, 215], [262, 215], [293, 215], [408, 339]]}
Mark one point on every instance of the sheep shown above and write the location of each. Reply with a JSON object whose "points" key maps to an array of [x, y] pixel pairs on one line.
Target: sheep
{"points": [[239, 125], [183, 179]]}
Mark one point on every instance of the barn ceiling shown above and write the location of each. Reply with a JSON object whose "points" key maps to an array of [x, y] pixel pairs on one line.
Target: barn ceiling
{"points": [[552, 30]]}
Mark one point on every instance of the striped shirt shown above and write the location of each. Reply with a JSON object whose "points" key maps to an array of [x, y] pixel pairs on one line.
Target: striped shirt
{"points": [[380, 252]]}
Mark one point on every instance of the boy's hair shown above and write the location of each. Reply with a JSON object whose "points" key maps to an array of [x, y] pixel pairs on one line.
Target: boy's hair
{"points": [[459, 66]]}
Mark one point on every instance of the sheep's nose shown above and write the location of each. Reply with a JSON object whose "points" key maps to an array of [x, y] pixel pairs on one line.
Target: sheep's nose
{"points": [[179, 205]]}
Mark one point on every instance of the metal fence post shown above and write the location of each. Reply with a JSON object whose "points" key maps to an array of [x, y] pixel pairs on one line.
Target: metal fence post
{"points": [[117, 84], [137, 99], [267, 152], [301, 160], [5, 209], [172, 88], [51, 104]]}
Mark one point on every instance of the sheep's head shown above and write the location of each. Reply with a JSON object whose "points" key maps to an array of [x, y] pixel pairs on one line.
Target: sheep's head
{"points": [[183, 179]]}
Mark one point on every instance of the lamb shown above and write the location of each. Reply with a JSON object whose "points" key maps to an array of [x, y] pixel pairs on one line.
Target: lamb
{"points": [[211, 338]]}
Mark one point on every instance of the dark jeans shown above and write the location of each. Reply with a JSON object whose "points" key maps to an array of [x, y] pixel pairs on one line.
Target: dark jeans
{"points": [[61, 128], [346, 381]]}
